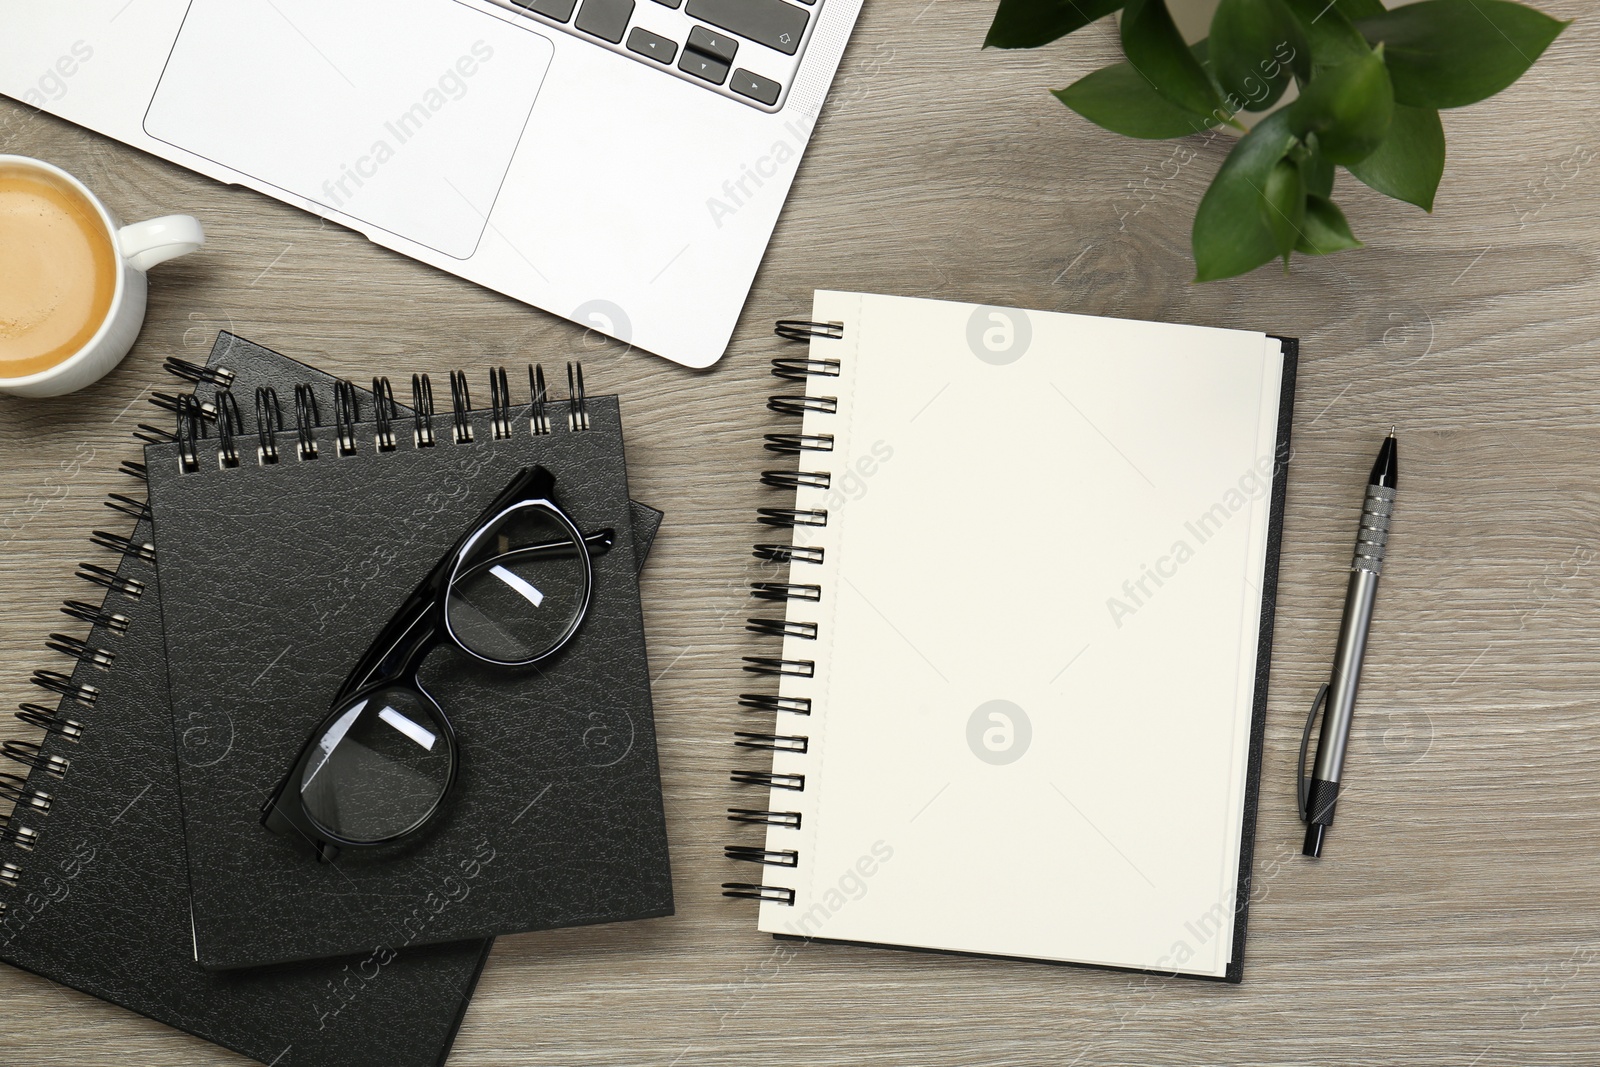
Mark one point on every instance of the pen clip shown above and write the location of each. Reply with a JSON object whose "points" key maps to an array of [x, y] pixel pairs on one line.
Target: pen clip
{"points": [[1302, 794]]}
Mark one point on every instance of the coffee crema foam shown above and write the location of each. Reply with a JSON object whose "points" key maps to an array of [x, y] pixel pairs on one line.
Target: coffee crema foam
{"points": [[58, 271]]}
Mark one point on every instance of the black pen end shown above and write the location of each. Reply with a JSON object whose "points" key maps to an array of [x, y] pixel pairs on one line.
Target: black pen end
{"points": [[1314, 835], [1386, 471]]}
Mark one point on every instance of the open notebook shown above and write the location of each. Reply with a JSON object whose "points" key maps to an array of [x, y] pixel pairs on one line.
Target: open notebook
{"points": [[1027, 627]]}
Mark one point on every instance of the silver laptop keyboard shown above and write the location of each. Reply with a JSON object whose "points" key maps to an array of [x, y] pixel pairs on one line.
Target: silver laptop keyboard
{"points": [[747, 50]]}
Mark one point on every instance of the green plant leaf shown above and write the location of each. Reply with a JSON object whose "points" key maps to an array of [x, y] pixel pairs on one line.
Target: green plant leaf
{"points": [[1230, 233], [1252, 44], [1348, 107], [1410, 161], [1330, 36], [1451, 53], [1284, 206], [1359, 9], [1116, 98], [1156, 50], [1324, 229], [1031, 23], [1314, 166]]}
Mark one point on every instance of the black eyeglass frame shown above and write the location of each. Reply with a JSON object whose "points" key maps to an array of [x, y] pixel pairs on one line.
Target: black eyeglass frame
{"points": [[421, 625]]}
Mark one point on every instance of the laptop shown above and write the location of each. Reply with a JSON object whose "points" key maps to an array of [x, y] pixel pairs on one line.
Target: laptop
{"points": [[620, 163]]}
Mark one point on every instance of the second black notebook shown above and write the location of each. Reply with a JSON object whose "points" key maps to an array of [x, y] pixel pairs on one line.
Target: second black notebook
{"points": [[276, 576]]}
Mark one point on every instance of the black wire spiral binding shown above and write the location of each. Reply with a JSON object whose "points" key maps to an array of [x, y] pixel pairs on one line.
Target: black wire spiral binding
{"points": [[96, 615], [792, 444], [797, 479], [18, 790], [384, 413], [191, 430], [153, 435], [772, 702], [791, 517], [130, 587], [136, 509], [12, 831], [460, 407], [802, 330], [773, 742], [307, 420], [230, 424], [175, 402], [806, 631], [770, 779], [346, 413], [269, 424], [785, 591], [422, 407], [56, 682], [787, 857], [80, 650], [499, 403], [31, 754], [195, 372], [765, 817], [134, 470], [579, 418], [538, 417], [51, 721], [797, 405], [789, 553], [126, 545]]}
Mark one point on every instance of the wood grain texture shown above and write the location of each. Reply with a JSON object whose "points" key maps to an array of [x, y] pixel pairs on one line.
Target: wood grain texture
{"points": [[1457, 918]]}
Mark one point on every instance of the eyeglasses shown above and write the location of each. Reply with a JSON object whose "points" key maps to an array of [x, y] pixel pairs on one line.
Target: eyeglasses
{"points": [[512, 592]]}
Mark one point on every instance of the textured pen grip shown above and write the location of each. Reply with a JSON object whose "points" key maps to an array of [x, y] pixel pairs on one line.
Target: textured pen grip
{"points": [[1373, 538]]}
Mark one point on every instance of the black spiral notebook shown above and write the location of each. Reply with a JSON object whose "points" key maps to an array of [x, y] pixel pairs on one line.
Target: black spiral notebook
{"points": [[94, 889], [276, 576]]}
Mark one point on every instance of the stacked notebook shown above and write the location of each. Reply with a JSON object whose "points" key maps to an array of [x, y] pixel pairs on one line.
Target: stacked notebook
{"points": [[134, 866], [1026, 621]]}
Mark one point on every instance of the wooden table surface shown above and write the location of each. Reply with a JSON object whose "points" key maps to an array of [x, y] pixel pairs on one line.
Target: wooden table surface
{"points": [[1456, 920]]}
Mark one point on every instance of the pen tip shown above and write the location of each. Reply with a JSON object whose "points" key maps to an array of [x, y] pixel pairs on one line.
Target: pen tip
{"points": [[1391, 431]]}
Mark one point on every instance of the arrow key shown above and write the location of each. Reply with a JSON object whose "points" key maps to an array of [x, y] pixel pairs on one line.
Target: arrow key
{"points": [[755, 87], [652, 45], [702, 66]]}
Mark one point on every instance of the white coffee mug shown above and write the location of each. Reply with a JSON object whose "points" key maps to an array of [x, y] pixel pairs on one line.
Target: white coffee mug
{"points": [[139, 247]]}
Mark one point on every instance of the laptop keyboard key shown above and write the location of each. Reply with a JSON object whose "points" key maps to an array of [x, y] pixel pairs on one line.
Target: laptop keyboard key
{"points": [[755, 87], [653, 45], [702, 66], [560, 10], [670, 3], [773, 23], [605, 19], [712, 43]]}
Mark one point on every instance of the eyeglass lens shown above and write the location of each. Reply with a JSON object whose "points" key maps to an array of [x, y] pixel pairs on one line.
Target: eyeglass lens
{"points": [[380, 768], [521, 587]]}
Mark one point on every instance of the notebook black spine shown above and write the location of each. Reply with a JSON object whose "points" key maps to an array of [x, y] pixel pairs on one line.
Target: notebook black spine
{"points": [[788, 739]]}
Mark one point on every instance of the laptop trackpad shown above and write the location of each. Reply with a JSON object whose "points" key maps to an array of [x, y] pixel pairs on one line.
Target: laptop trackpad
{"points": [[403, 114]]}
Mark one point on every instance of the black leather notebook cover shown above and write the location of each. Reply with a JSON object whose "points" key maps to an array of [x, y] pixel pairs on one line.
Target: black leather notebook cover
{"points": [[100, 902], [275, 578]]}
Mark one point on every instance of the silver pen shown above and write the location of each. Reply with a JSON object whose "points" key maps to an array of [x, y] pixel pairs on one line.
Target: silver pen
{"points": [[1372, 539]]}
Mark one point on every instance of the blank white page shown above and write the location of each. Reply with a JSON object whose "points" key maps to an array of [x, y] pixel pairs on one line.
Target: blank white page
{"points": [[1035, 661]]}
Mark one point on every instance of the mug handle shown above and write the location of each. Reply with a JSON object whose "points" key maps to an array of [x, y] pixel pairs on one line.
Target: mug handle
{"points": [[144, 244]]}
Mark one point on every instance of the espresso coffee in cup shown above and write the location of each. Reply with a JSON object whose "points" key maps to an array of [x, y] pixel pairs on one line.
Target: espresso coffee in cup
{"points": [[72, 278], [58, 271]]}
